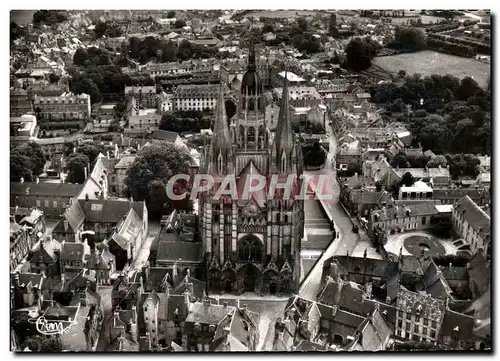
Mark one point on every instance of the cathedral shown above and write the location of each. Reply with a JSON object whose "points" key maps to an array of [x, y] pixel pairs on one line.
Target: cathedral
{"points": [[252, 244]]}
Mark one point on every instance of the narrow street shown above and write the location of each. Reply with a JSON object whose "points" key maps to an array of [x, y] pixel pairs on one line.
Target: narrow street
{"points": [[106, 300]]}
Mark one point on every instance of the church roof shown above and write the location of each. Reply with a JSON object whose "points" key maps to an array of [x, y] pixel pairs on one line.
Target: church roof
{"points": [[260, 195]]}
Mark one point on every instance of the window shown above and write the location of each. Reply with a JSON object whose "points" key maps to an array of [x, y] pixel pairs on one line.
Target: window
{"points": [[433, 333], [46, 203], [408, 326], [417, 319], [400, 324], [426, 321], [400, 314], [415, 329], [423, 220], [398, 332], [38, 203], [408, 316], [415, 338], [424, 331], [54, 204], [434, 324]]}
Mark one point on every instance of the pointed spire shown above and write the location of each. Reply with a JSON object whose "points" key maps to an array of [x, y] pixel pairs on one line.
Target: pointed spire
{"points": [[221, 137], [284, 132], [251, 57]]}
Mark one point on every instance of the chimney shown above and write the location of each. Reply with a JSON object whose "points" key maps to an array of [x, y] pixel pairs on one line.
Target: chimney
{"points": [[37, 180], [244, 308], [107, 154], [187, 301], [356, 175], [86, 172], [334, 310], [65, 225], [388, 300], [22, 180]]}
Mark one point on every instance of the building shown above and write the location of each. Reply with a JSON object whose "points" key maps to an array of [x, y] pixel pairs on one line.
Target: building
{"points": [[67, 106], [55, 146], [73, 257], [252, 244], [144, 96], [22, 128], [419, 317], [196, 97], [400, 217], [51, 198], [117, 182], [159, 136], [419, 190], [472, 224], [20, 244], [20, 103]]}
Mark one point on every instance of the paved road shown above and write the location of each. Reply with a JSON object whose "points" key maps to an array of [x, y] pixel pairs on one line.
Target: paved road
{"points": [[346, 240], [106, 301]]}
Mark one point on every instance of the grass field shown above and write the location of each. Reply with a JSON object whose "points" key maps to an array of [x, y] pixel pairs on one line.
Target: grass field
{"points": [[431, 62], [282, 13]]}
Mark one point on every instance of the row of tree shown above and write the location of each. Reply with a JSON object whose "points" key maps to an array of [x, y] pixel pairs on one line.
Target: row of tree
{"points": [[449, 116], [26, 161]]}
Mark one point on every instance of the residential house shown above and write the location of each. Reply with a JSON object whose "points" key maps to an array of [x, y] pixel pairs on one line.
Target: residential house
{"points": [[402, 217], [45, 258], [73, 257], [145, 96], [66, 106], [51, 198], [117, 182], [126, 241], [437, 177], [26, 289], [103, 262], [84, 317], [419, 317], [472, 224], [20, 103], [159, 136], [20, 243]]}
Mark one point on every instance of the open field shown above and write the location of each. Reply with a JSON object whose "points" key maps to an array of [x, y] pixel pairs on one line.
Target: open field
{"points": [[282, 13], [429, 62]]}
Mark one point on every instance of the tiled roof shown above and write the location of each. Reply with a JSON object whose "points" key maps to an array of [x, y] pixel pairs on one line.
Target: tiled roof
{"points": [[72, 251], [33, 279], [187, 251], [457, 325], [110, 210], [415, 303], [45, 189], [400, 211], [165, 135], [128, 230], [423, 172], [207, 313], [474, 215]]}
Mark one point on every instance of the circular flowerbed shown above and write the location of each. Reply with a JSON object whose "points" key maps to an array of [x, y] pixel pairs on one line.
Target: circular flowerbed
{"points": [[416, 244]]}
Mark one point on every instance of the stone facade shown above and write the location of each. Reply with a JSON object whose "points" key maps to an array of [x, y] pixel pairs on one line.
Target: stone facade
{"points": [[253, 244]]}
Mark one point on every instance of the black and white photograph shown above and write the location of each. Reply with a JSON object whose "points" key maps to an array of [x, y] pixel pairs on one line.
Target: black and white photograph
{"points": [[257, 181]]}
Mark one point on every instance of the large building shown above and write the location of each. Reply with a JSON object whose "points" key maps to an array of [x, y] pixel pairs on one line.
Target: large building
{"points": [[67, 106], [196, 97], [252, 243]]}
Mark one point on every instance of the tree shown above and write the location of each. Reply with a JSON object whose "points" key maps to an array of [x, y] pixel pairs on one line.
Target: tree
{"points": [[76, 165], [400, 161], [407, 180], [314, 154], [54, 78], [156, 162], [171, 14], [379, 238], [359, 55], [352, 169], [332, 26], [438, 160], [468, 87], [180, 23], [80, 57], [410, 39], [302, 24], [20, 166], [157, 196], [91, 151]]}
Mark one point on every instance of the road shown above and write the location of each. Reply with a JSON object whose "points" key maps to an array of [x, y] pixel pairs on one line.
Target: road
{"points": [[106, 302], [346, 240]]}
